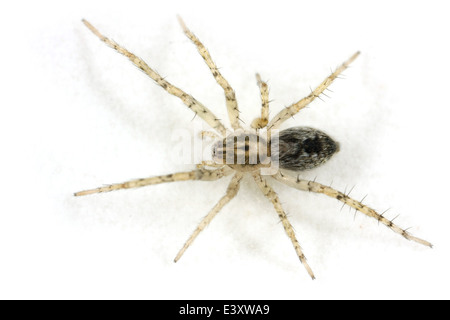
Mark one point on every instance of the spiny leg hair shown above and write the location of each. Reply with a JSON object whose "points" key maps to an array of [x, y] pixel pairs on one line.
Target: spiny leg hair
{"points": [[199, 174], [306, 185], [232, 190], [273, 197], [230, 96], [202, 111], [288, 112]]}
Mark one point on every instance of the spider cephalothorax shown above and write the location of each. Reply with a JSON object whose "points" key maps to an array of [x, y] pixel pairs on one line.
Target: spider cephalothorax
{"points": [[247, 151], [242, 150]]}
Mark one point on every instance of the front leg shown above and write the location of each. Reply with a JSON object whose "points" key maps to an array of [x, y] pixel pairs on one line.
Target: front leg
{"points": [[192, 103], [230, 96]]}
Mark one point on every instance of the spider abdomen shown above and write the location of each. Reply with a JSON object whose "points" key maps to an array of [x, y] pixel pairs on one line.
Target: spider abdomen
{"points": [[302, 148]]}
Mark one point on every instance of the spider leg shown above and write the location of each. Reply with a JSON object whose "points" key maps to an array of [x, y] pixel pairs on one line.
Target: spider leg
{"points": [[230, 96], [232, 190], [209, 163], [199, 174], [313, 186], [273, 197], [260, 123], [288, 112], [187, 99]]}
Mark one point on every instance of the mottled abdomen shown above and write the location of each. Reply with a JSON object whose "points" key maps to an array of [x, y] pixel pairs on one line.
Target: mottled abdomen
{"points": [[302, 148]]}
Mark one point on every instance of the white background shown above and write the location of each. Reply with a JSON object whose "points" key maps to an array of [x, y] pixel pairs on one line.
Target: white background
{"points": [[76, 115]]}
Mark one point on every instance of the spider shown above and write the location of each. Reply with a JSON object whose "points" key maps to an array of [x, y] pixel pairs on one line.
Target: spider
{"points": [[239, 152]]}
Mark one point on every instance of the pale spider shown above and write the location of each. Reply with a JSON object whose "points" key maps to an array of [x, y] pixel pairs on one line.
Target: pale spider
{"points": [[297, 149]]}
